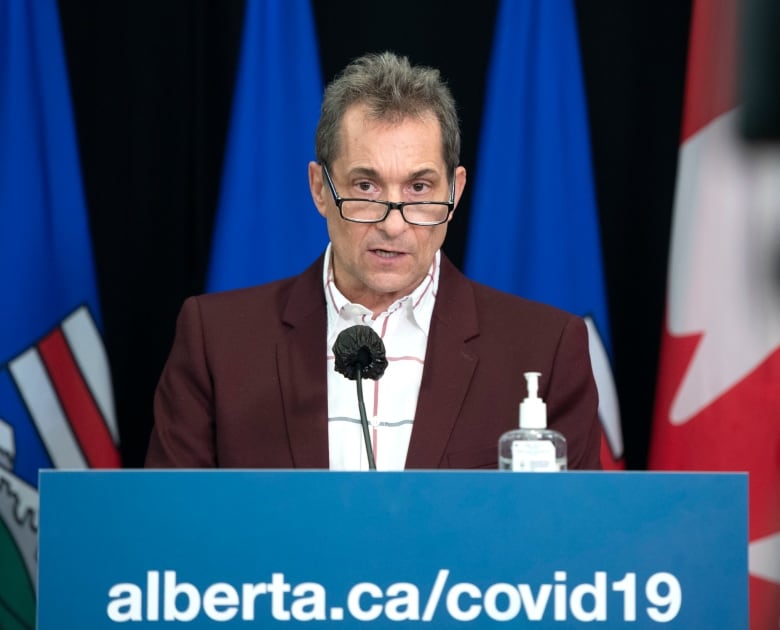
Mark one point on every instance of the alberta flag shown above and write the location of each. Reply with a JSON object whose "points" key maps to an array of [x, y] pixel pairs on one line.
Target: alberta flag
{"points": [[718, 399], [266, 226], [534, 227], [56, 406]]}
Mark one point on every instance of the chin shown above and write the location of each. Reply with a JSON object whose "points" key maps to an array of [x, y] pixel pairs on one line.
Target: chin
{"points": [[389, 289]]}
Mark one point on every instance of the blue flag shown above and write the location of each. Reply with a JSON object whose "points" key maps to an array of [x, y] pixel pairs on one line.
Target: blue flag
{"points": [[56, 406], [267, 226], [534, 226]]}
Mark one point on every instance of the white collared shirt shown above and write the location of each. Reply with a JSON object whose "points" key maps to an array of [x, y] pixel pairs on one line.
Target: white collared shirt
{"points": [[390, 401]]}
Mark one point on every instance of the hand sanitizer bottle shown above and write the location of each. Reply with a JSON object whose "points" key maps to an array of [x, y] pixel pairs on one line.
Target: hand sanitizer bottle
{"points": [[533, 447]]}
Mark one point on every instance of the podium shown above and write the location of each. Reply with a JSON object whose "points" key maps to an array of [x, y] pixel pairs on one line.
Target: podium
{"points": [[321, 549]]}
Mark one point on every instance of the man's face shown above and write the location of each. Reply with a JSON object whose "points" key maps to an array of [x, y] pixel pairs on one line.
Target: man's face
{"points": [[375, 264]]}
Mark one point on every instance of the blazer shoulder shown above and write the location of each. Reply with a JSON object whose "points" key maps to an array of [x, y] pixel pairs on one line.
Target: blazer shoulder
{"points": [[248, 295], [480, 309], [297, 295], [494, 300], [232, 306]]}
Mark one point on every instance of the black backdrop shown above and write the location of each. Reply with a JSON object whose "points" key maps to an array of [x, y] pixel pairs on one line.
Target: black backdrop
{"points": [[152, 84]]}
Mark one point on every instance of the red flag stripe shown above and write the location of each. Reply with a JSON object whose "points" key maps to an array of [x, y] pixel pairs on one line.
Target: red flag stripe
{"points": [[85, 343], [710, 82], [80, 409]]}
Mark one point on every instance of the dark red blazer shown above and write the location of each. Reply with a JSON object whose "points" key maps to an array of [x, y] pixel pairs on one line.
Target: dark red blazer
{"points": [[245, 385]]}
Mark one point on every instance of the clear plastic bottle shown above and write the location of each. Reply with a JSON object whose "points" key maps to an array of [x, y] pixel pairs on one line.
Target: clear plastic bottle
{"points": [[533, 447]]}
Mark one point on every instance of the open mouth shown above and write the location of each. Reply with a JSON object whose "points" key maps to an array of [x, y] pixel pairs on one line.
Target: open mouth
{"points": [[383, 253]]}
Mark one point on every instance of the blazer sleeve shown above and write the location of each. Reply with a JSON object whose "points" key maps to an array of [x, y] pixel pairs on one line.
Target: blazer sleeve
{"points": [[183, 433], [572, 402]]}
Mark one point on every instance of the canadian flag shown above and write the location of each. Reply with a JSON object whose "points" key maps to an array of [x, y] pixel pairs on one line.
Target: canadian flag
{"points": [[718, 399]]}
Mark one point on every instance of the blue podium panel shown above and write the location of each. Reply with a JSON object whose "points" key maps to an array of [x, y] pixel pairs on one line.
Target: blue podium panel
{"points": [[268, 549]]}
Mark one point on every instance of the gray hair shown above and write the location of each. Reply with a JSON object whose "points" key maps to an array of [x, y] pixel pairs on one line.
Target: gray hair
{"points": [[392, 89]]}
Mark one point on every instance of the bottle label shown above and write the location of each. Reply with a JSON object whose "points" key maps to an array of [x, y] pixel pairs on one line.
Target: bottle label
{"points": [[533, 455]]}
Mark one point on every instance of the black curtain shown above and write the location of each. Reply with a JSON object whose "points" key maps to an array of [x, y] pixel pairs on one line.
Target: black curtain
{"points": [[152, 86]]}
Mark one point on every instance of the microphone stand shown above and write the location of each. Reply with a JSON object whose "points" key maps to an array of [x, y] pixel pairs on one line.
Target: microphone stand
{"points": [[364, 420]]}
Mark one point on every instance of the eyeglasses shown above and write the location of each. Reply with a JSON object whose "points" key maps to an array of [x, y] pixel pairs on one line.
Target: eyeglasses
{"points": [[425, 213]]}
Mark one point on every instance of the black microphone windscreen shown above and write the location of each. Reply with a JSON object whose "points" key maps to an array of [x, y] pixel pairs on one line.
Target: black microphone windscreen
{"points": [[359, 349]]}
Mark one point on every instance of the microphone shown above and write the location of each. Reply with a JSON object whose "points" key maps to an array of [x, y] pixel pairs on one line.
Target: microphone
{"points": [[360, 353]]}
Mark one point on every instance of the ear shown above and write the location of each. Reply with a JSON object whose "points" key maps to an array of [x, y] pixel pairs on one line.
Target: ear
{"points": [[460, 185], [318, 187]]}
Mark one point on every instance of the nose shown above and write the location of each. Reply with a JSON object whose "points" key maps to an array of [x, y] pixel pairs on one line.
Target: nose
{"points": [[394, 223]]}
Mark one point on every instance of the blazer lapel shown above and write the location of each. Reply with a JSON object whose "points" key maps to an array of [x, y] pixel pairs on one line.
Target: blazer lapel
{"points": [[449, 367], [302, 371]]}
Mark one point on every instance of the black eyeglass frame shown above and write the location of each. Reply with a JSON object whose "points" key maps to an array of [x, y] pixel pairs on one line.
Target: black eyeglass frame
{"points": [[390, 205]]}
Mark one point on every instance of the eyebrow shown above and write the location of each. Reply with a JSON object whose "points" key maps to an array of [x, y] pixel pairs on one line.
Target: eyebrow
{"points": [[371, 173], [362, 171]]}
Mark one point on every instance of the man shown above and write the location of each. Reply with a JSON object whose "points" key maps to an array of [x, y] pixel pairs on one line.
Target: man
{"points": [[250, 381]]}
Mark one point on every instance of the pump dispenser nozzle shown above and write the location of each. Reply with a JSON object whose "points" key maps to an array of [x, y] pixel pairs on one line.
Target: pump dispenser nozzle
{"points": [[533, 410], [532, 382], [532, 447]]}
